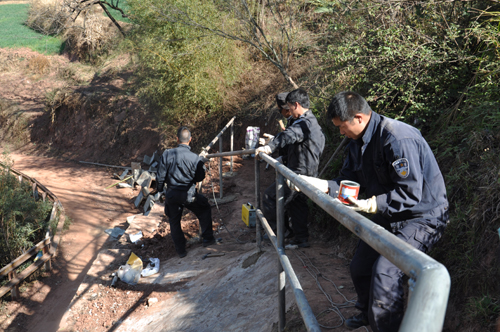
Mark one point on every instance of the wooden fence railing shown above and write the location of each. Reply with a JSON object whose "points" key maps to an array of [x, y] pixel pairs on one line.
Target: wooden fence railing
{"points": [[48, 245]]}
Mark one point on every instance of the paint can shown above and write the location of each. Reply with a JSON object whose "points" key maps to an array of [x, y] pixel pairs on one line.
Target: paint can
{"points": [[348, 189]]}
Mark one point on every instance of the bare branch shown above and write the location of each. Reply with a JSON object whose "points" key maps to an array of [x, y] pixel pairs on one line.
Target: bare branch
{"points": [[277, 50]]}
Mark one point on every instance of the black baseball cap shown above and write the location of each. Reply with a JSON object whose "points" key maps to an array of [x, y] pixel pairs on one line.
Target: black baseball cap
{"points": [[281, 100]]}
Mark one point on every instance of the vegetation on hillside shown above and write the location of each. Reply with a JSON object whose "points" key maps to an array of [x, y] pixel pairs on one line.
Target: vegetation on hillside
{"points": [[185, 73], [23, 219]]}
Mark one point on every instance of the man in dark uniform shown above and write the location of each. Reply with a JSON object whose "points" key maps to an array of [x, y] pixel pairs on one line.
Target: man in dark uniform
{"points": [[180, 170], [304, 141], [405, 191]]}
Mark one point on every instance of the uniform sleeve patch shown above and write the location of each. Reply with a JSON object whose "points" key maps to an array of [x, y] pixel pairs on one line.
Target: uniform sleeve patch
{"points": [[402, 167]]}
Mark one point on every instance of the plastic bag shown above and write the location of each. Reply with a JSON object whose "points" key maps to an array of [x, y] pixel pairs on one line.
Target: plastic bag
{"points": [[135, 237], [252, 138], [152, 268], [131, 272]]}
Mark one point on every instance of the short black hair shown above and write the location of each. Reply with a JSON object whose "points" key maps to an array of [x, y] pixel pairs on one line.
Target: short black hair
{"points": [[183, 134], [298, 96], [345, 105]]}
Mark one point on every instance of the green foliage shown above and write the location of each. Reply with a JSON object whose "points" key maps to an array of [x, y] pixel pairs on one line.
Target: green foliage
{"points": [[186, 73], [414, 62], [485, 309], [14, 33], [23, 220]]}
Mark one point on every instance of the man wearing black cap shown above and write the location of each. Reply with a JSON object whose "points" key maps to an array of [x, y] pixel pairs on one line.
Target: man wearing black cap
{"points": [[180, 169], [284, 109], [304, 142]]}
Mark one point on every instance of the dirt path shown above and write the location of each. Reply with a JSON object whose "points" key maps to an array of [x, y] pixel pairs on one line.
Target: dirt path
{"points": [[92, 210], [321, 270]]}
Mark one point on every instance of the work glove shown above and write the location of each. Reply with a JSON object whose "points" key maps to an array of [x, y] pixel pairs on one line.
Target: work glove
{"points": [[315, 182], [265, 141], [204, 160], [263, 149], [364, 205]]}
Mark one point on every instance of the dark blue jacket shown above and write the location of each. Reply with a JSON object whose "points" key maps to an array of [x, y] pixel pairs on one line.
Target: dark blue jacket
{"points": [[180, 169], [304, 142], [393, 162], [283, 152]]}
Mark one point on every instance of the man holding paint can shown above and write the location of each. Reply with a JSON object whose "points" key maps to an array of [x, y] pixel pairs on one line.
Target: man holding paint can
{"points": [[405, 191]]}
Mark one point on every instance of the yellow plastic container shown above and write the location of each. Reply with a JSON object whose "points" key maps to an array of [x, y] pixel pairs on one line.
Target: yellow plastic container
{"points": [[248, 214]]}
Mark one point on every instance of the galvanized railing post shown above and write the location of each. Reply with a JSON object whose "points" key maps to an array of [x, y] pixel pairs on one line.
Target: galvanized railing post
{"points": [[257, 203], [220, 168], [280, 205]]}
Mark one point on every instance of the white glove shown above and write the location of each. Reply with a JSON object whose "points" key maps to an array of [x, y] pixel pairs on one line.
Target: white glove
{"points": [[263, 149], [292, 186], [364, 205], [315, 182], [266, 140]]}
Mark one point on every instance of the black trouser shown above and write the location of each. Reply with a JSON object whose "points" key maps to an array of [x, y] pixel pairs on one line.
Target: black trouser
{"points": [[379, 283], [296, 210], [175, 203]]}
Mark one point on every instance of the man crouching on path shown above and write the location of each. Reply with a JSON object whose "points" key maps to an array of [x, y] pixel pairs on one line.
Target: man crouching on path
{"points": [[180, 169], [405, 192]]}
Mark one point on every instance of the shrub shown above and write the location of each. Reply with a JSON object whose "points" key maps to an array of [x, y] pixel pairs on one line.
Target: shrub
{"points": [[39, 64], [185, 72], [87, 31], [23, 220], [49, 17]]}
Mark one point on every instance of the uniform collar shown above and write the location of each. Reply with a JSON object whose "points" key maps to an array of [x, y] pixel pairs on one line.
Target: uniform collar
{"points": [[370, 128], [184, 146]]}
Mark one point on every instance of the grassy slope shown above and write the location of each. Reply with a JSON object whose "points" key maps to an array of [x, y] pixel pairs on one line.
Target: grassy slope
{"points": [[14, 34]]}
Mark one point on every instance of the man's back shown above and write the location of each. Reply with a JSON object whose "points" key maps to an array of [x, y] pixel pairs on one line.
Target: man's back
{"points": [[180, 168], [307, 145]]}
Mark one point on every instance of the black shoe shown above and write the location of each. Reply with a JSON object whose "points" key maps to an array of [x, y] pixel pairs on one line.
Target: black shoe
{"points": [[357, 321], [207, 243], [301, 243], [183, 254]]}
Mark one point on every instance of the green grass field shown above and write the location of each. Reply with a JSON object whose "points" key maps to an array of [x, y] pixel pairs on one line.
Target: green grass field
{"points": [[14, 34]]}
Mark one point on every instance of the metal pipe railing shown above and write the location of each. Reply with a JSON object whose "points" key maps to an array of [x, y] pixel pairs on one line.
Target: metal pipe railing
{"points": [[430, 281], [232, 153], [219, 138], [258, 237], [280, 220]]}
